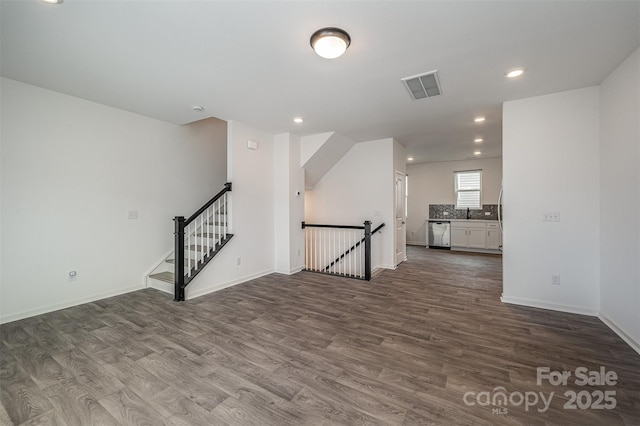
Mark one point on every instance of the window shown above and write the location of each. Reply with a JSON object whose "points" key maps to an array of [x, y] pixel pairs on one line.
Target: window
{"points": [[468, 186]]}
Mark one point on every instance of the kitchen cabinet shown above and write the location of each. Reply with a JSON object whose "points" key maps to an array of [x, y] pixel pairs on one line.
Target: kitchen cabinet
{"points": [[476, 235], [494, 236], [458, 237], [468, 235]]}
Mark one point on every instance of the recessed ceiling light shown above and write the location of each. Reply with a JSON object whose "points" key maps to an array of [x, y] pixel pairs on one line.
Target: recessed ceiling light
{"points": [[409, 158], [478, 140], [479, 119], [53, 1], [477, 153], [298, 120], [514, 73], [330, 43]]}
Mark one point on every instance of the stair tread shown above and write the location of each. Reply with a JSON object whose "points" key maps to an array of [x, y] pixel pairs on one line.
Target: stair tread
{"points": [[172, 261], [198, 247], [167, 277]]}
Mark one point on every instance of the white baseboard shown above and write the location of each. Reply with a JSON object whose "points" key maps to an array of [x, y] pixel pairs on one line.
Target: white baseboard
{"points": [[291, 272], [387, 266], [216, 287], [572, 309], [476, 250], [624, 336], [57, 306]]}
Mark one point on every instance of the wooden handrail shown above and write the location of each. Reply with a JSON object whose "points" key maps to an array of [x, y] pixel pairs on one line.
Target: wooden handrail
{"points": [[227, 188]]}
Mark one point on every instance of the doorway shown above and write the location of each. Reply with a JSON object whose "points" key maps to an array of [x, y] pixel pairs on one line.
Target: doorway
{"points": [[400, 224]]}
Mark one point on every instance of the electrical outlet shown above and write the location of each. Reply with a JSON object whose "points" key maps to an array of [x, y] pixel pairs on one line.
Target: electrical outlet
{"points": [[487, 213], [298, 252], [445, 213], [555, 279], [133, 214], [72, 275], [238, 260]]}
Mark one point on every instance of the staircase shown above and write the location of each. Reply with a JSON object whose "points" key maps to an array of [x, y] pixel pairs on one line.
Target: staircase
{"points": [[198, 240]]}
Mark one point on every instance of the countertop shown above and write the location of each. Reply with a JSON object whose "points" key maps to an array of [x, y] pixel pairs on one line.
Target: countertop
{"points": [[464, 220]]}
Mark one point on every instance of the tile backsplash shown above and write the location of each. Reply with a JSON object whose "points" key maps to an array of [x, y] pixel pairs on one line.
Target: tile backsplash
{"points": [[437, 211]]}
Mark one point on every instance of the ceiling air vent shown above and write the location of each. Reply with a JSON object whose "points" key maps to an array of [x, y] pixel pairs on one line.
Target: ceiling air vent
{"points": [[423, 85]]}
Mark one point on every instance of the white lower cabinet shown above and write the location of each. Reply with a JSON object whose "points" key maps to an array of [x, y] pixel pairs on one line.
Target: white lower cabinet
{"points": [[475, 235], [458, 237], [494, 236], [468, 235]]}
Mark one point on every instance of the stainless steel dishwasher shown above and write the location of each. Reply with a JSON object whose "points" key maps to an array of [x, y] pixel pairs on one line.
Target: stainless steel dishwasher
{"points": [[439, 234]]}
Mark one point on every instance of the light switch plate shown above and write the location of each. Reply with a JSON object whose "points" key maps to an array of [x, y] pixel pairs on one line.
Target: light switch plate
{"points": [[551, 217]]}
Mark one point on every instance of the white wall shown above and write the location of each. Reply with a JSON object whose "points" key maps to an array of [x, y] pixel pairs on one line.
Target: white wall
{"points": [[71, 171], [252, 214], [551, 163], [359, 187], [289, 206], [432, 183], [620, 200]]}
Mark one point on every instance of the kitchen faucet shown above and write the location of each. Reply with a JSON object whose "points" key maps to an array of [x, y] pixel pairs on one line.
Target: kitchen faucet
{"points": [[468, 212]]}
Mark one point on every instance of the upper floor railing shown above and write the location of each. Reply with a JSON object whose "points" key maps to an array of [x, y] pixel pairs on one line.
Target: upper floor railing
{"points": [[343, 250]]}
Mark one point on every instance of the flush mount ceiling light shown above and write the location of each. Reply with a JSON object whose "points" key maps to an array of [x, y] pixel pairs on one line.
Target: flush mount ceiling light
{"points": [[478, 140], [409, 158], [479, 119], [53, 1], [477, 153], [198, 108], [330, 43], [298, 120], [514, 73]]}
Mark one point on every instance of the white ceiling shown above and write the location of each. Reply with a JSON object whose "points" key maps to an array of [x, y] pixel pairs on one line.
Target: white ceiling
{"points": [[251, 61]]}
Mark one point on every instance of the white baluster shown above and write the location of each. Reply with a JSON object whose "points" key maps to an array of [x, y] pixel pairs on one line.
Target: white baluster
{"points": [[315, 248], [188, 251], [205, 232], [218, 222], [349, 233], [340, 251], [226, 214], [308, 248], [332, 246]]}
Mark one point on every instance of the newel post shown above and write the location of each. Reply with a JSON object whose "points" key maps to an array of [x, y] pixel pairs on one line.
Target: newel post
{"points": [[367, 250], [179, 259]]}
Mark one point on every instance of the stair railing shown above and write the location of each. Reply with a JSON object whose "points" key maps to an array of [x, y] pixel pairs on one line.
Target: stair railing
{"points": [[343, 250], [199, 238]]}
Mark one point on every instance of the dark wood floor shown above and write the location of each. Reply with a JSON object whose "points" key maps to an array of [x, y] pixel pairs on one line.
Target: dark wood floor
{"points": [[309, 349]]}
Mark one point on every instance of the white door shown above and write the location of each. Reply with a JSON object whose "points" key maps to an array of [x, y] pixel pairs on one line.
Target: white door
{"points": [[400, 220]]}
